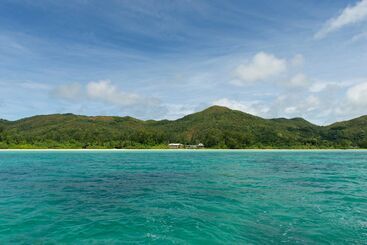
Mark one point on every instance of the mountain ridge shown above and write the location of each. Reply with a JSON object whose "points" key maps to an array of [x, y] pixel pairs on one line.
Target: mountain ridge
{"points": [[216, 127], [171, 120]]}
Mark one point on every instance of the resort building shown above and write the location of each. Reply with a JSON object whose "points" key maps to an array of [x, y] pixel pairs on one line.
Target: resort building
{"points": [[175, 145], [181, 146]]}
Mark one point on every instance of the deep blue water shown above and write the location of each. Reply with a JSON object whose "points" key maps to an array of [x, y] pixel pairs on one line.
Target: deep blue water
{"points": [[183, 197]]}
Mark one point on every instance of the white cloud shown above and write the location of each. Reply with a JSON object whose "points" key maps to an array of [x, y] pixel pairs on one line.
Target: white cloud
{"points": [[267, 68], [357, 94], [322, 108], [350, 15], [289, 105], [290, 110], [322, 102], [312, 102], [318, 87], [177, 111], [298, 80], [253, 107], [105, 91], [101, 91], [359, 37], [299, 104], [110, 95], [261, 67]]}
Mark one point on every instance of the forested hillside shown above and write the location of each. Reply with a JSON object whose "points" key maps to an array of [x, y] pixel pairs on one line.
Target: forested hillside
{"points": [[216, 127]]}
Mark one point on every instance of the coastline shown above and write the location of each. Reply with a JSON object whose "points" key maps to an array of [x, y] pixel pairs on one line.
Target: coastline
{"points": [[178, 150]]}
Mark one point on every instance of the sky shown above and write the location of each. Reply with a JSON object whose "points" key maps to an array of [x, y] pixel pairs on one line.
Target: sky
{"points": [[166, 59]]}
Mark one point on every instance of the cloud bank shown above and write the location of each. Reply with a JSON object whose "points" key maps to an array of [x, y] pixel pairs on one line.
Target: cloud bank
{"points": [[357, 94], [261, 67], [267, 68], [350, 15], [106, 93], [292, 93]]}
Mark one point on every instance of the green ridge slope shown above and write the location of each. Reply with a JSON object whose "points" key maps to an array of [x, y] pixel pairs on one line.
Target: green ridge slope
{"points": [[216, 127]]}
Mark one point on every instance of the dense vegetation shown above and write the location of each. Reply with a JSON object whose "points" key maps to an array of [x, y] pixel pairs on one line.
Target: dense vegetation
{"points": [[216, 127]]}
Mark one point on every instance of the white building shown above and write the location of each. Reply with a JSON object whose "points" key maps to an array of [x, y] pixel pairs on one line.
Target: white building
{"points": [[180, 146], [175, 145]]}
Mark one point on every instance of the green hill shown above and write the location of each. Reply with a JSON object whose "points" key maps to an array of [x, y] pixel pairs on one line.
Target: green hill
{"points": [[349, 133], [216, 127]]}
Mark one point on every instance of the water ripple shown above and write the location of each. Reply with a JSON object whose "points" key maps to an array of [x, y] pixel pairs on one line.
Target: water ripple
{"points": [[183, 197]]}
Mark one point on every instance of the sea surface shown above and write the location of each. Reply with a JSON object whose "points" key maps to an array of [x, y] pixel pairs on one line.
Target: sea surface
{"points": [[183, 197]]}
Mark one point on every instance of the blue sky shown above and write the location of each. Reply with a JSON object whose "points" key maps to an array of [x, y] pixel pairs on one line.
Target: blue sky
{"points": [[165, 59]]}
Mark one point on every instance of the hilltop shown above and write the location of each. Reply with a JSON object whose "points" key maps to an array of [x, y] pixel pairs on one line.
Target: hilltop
{"points": [[216, 127]]}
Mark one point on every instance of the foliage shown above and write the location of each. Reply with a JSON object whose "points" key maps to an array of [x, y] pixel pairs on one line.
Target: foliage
{"points": [[215, 127]]}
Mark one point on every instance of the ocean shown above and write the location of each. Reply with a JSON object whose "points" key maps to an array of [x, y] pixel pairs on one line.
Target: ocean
{"points": [[183, 197]]}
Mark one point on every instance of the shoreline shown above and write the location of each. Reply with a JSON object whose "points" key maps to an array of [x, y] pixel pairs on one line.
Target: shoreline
{"points": [[172, 150]]}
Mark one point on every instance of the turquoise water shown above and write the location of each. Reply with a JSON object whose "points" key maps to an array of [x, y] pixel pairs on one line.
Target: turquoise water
{"points": [[183, 197]]}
